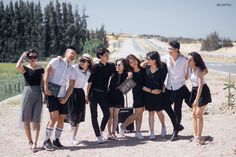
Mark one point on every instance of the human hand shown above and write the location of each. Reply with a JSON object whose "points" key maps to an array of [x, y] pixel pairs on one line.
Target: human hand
{"points": [[47, 91], [156, 91], [130, 75], [24, 54], [60, 58], [63, 100]]}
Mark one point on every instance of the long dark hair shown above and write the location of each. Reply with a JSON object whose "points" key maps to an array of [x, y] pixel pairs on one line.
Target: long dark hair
{"points": [[198, 60], [154, 55], [31, 51], [125, 64], [131, 56], [90, 66]]}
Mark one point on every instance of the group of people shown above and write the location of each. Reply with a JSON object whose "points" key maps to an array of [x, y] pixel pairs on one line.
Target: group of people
{"points": [[160, 82]]}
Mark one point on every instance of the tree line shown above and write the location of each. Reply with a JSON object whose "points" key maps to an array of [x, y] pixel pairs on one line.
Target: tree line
{"points": [[25, 25], [214, 42]]}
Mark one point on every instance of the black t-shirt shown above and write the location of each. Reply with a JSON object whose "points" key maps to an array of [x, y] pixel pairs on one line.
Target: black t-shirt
{"points": [[156, 80], [116, 80], [100, 75], [33, 77]]}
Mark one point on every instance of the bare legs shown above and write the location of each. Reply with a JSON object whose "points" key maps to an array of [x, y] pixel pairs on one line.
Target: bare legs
{"points": [[137, 116], [198, 120], [36, 128], [113, 121]]}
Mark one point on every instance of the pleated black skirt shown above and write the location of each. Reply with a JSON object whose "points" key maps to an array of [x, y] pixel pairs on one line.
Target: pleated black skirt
{"points": [[205, 97], [76, 107]]}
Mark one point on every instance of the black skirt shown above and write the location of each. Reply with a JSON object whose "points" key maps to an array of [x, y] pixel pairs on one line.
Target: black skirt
{"points": [[76, 107], [138, 98], [205, 97], [153, 102], [116, 99]]}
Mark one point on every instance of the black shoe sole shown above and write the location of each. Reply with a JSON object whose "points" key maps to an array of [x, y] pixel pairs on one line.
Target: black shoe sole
{"points": [[57, 146], [48, 149]]}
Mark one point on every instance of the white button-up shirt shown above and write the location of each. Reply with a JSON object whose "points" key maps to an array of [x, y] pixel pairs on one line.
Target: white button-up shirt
{"points": [[62, 72], [176, 72], [81, 76]]}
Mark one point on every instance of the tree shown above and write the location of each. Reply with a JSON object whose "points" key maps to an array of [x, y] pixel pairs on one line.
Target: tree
{"points": [[25, 26], [212, 42]]}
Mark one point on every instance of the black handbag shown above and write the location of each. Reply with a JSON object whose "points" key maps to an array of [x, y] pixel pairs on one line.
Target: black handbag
{"points": [[54, 88]]}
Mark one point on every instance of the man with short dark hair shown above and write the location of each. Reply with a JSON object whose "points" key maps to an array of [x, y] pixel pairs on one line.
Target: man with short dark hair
{"points": [[97, 89], [176, 89], [57, 74]]}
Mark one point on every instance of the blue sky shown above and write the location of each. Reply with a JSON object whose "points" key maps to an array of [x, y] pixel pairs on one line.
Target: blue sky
{"points": [[171, 18]]}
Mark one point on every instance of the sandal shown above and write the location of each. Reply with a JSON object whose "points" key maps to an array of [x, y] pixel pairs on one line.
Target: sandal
{"points": [[34, 148], [109, 136], [114, 135], [30, 144]]}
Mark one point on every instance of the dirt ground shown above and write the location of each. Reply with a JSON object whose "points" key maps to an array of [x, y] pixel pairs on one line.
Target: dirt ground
{"points": [[219, 131]]}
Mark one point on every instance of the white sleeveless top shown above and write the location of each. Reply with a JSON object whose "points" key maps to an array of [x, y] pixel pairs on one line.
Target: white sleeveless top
{"points": [[193, 76]]}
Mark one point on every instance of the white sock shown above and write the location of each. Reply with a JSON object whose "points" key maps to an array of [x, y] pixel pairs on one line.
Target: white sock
{"points": [[58, 133], [48, 132]]}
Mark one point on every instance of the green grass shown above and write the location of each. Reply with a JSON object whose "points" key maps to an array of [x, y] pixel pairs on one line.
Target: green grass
{"points": [[10, 79]]}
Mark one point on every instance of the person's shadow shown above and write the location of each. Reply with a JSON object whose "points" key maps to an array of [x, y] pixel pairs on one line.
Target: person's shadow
{"points": [[126, 141]]}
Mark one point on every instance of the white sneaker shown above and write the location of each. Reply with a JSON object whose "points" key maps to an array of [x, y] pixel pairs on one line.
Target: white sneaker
{"points": [[152, 136], [196, 139], [121, 130], [163, 132], [101, 134], [74, 142], [70, 127], [100, 140], [139, 136]]}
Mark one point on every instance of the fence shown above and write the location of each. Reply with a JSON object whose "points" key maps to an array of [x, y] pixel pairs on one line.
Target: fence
{"points": [[11, 87]]}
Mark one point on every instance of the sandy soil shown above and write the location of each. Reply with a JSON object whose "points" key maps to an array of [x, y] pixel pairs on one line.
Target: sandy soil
{"points": [[219, 131]]}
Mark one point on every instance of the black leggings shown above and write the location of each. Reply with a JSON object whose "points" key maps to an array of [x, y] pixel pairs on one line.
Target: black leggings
{"points": [[176, 97], [101, 99]]}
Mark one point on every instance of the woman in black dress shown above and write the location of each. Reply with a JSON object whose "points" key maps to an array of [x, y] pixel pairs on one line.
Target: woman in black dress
{"points": [[115, 96], [138, 97], [77, 100], [32, 95], [154, 81]]}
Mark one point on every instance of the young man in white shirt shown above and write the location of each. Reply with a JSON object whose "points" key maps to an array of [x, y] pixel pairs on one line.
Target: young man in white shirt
{"points": [[176, 90], [58, 73]]}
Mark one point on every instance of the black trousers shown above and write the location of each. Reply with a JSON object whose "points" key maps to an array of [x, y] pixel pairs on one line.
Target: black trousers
{"points": [[101, 99], [176, 97]]}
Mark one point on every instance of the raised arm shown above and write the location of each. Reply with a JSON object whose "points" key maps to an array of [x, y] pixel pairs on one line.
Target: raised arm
{"points": [[19, 66]]}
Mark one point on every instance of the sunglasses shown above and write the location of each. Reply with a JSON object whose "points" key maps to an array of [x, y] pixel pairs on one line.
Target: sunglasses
{"points": [[33, 57]]}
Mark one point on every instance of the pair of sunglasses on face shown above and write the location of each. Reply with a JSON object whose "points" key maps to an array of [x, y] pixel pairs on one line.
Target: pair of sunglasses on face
{"points": [[33, 57]]}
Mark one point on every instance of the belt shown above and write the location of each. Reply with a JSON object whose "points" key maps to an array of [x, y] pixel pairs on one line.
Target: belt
{"points": [[99, 90]]}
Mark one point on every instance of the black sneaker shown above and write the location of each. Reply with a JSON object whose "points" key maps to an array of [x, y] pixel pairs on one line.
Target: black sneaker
{"points": [[47, 145], [174, 136], [57, 143], [181, 127]]}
